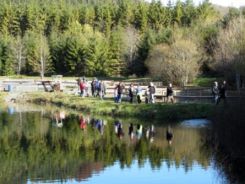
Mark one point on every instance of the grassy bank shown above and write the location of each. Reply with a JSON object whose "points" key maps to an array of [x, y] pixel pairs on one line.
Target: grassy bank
{"points": [[166, 112]]}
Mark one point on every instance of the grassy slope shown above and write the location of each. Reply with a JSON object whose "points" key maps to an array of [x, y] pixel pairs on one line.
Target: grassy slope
{"points": [[166, 112]]}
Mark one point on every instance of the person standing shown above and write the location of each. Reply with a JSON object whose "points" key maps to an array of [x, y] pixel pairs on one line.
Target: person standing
{"points": [[147, 96], [102, 90], [222, 92], [82, 86], [119, 88], [139, 94], [170, 93], [130, 93], [97, 88], [93, 87], [215, 92], [86, 87], [152, 91]]}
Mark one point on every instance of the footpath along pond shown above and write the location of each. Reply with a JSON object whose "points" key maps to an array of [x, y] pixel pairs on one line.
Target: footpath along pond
{"points": [[39, 145]]}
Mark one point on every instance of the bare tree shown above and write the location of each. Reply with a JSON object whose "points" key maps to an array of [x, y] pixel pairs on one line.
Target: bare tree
{"points": [[44, 55], [18, 50], [230, 53], [131, 39], [177, 63], [37, 53]]}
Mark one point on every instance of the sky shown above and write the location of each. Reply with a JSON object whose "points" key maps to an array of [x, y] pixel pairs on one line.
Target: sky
{"points": [[234, 3]]}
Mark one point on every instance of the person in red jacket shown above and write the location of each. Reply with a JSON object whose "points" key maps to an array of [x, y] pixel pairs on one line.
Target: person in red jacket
{"points": [[82, 86]]}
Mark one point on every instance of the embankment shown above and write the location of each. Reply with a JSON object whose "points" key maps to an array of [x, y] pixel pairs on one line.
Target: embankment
{"points": [[159, 111]]}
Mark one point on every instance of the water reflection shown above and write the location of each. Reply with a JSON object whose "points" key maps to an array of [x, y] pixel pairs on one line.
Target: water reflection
{"points": [[34, 150], [59, 116], [118, 128], [169, 135]]}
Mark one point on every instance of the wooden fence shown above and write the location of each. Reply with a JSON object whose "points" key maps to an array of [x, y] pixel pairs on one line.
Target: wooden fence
{"points": [[71, 87]]}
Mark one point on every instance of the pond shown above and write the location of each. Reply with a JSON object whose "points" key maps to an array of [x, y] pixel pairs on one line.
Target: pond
{"points": [[50, 145]]}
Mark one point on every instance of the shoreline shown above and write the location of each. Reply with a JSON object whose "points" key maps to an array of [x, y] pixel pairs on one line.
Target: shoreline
{"points": [[107, 107]]}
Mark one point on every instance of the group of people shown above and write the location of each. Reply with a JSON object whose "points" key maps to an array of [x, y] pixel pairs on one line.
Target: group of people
{"points": [[149, 93], [219, 92], [138, 131], [98, 124], [133, 131], [98, 88]]}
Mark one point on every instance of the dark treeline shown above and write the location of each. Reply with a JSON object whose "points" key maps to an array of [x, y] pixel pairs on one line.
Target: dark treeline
{"points": [[100, 38]]}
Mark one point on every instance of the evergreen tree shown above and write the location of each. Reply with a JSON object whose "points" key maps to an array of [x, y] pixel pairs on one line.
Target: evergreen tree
{"points": [[6, 63], [116, 43], [138, 66], [140, 17], [74, 57]]}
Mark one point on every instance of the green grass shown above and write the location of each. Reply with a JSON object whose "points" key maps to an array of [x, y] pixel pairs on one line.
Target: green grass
{"points": [[166, 112], [205, 81]]}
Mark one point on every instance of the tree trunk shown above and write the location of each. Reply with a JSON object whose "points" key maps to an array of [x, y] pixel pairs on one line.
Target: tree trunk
{"points": [[41, 62], [19, 61], [42, 67]]}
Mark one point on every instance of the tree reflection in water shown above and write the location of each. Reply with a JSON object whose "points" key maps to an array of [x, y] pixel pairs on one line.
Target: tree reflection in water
{"points": [[34, 149]]}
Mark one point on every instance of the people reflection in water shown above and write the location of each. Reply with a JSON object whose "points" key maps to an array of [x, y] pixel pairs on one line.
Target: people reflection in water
{"points": [[131, 131], [139, 131], [92, 122], [118, 129], [59, 117], [169, 135], [150, 133], [120, 133], [99, 124], [83, 123], [116, 126]]}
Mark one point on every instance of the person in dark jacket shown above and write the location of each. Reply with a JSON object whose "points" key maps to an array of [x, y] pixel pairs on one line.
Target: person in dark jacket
{"points": [[93, 87], [222, 92], [119, 88], [130, 93], [152, 91], [170, 93]]}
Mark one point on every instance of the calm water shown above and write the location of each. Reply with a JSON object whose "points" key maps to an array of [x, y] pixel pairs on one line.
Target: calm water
{"points": [[50, 145]]}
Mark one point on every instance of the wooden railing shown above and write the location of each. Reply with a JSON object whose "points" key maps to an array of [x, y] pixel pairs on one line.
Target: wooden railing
{"points": [[70, 86]]}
